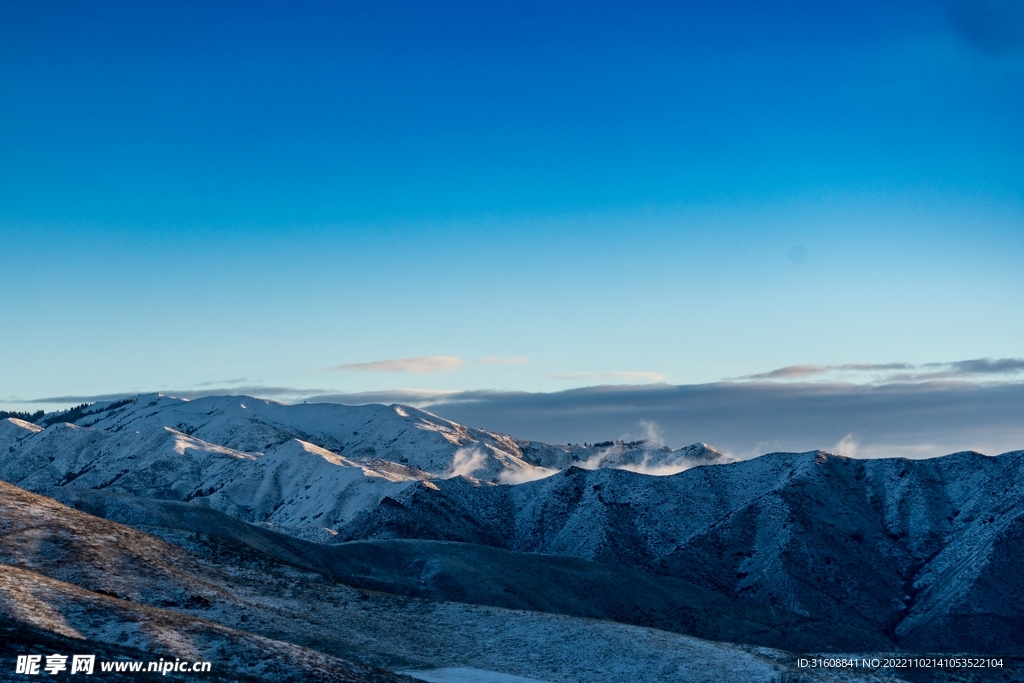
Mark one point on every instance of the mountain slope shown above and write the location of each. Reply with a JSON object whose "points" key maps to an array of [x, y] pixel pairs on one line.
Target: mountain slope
{"points": [[915, 551], [476, 574], [899, 547], [255, 618], [399, 434], [306, 469]]}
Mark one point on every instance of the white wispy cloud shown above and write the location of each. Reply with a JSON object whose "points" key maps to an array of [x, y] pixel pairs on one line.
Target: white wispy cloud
{"points": [[525, 475], [409, 397], [208, 389], [466, 461], [802, 371], [848, 446], [896, 372], [420, 365]]}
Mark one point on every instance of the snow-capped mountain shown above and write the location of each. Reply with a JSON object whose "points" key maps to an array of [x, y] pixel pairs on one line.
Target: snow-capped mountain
{"points": [[924, 551], [919, 552], [305, 468]]}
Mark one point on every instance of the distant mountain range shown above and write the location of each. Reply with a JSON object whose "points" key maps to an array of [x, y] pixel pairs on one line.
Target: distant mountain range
{"points": [[803, 552], [306, 469]]}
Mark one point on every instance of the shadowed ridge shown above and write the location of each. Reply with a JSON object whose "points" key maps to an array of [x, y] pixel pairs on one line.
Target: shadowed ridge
{"points": [[486, 576]]}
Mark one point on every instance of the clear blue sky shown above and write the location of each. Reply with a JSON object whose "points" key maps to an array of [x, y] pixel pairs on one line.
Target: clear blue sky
{"points": [[254, 194]]}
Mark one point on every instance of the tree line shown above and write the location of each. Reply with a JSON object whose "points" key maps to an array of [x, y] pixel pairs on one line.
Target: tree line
{"points": [[26, 417], [72, 414]]}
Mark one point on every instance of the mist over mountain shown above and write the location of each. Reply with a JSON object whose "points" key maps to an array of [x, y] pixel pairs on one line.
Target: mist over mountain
{"points": [[930, 416]]}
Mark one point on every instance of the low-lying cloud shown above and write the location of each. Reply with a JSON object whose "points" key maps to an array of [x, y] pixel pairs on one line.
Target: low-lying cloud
{"points": [[409, 397], [916, 419], [803, 371], [420, 365], [898, 372], [904, 409], [198, 391], [466, 461], [655, 459], [412, 397], [982, 366], [525, 475]]}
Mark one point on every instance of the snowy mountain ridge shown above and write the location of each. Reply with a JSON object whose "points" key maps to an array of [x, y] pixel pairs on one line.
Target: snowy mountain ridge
{"points": [[305, 468], [921, 552]]}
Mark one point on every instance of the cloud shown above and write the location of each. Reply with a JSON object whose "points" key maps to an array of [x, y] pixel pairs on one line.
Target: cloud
{"points": [[746, 418], [872, 367], [906, 410], [261, 390], [626, 376], [525, 475], [78, 398], [790, 371], [412, 397], [982, 366], [656, 470], [420, 365], [497, 360], [899, 372], [800, 371], [652, 433], [847, 446], [655, 461], [465, 462], [409, 397]]}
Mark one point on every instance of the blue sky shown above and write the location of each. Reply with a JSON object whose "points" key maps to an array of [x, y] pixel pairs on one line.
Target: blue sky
{"points": [[532, 196]]}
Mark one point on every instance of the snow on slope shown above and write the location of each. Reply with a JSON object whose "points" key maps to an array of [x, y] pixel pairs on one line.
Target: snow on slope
{"points": [[399, 434], [590, 514], [304, 468], [62, 569], [911, 549], [158, 463], [295, 484], [650, 458], [147, 633], [13, 431], [905, 548]]}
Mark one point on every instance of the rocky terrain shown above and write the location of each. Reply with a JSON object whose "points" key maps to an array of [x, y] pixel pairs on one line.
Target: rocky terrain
{"points": [[374, 541]]}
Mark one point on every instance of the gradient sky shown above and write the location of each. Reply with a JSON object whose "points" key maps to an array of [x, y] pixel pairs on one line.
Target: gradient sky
{"points": [[525, 196]]}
